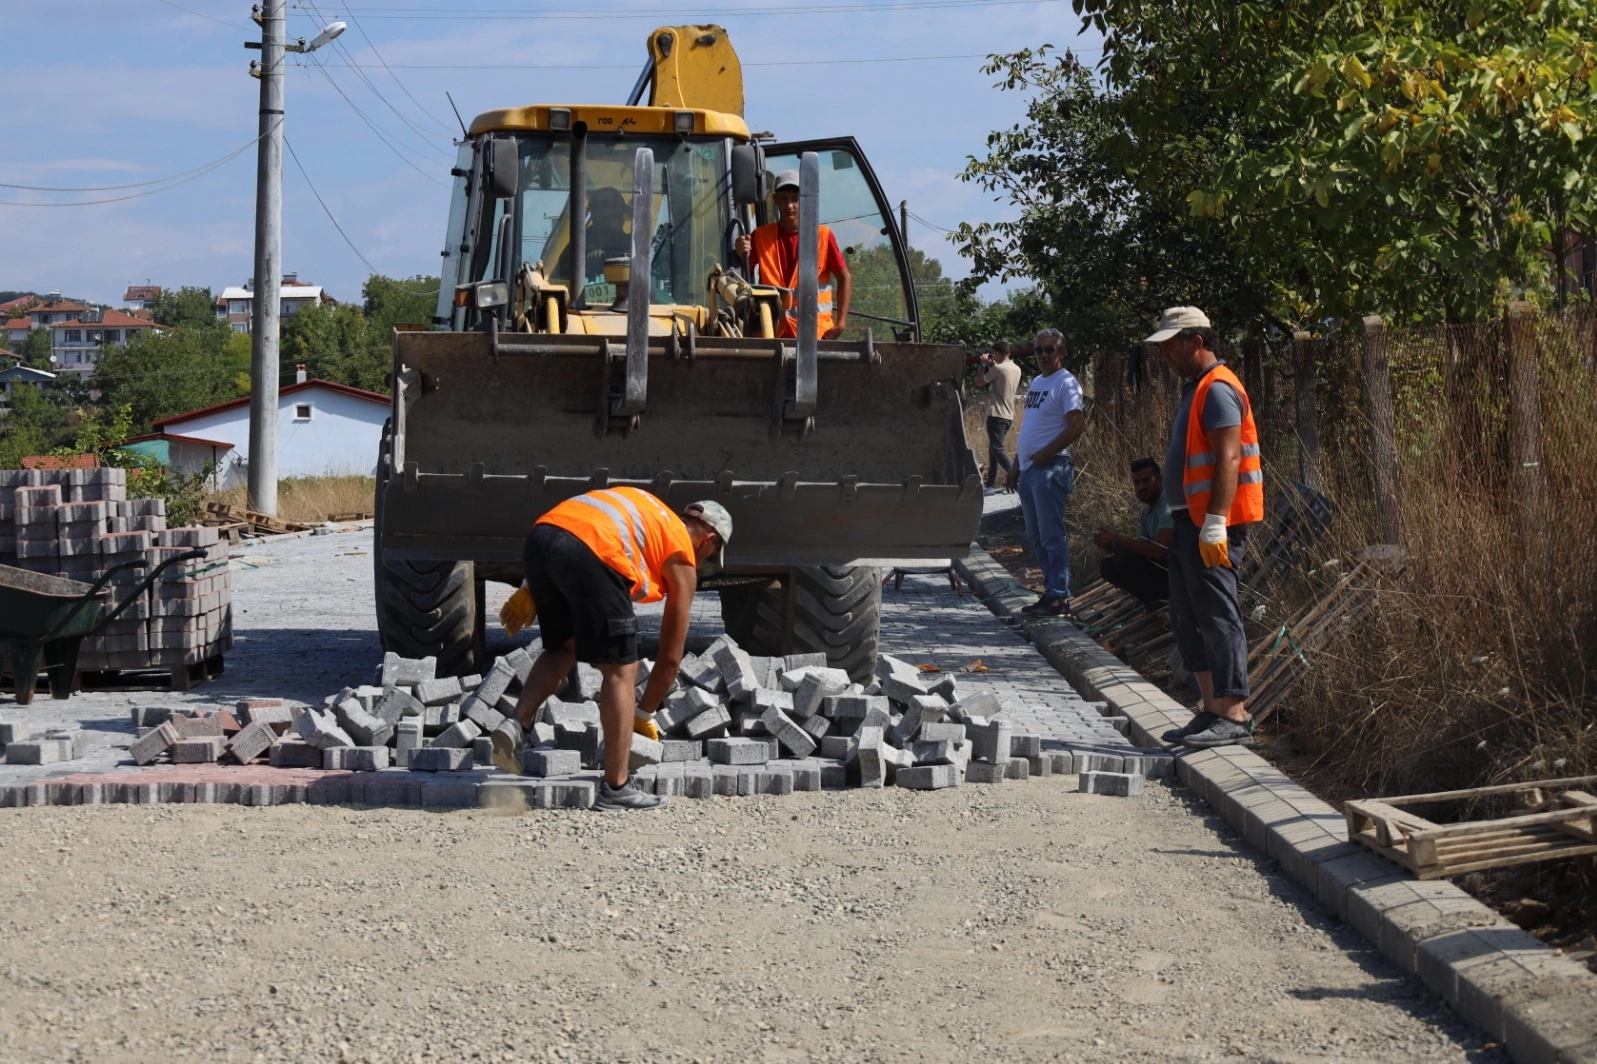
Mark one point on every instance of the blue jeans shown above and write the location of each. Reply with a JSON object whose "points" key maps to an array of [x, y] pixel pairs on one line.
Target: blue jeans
{"points": [[1043, 489]]}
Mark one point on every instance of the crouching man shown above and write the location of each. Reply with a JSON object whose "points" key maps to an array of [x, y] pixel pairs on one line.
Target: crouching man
{"points": [[587, 562]]}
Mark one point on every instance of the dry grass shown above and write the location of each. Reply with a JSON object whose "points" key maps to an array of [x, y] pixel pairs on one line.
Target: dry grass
{"points": [[312, 499], [1478, 665]]}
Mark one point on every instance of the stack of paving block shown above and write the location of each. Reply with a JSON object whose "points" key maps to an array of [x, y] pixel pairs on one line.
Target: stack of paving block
{"points": [[79, 523], [22, 746]]}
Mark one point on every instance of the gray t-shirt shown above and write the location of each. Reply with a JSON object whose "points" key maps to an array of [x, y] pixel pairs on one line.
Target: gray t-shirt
{"points": [[1222, 410]]}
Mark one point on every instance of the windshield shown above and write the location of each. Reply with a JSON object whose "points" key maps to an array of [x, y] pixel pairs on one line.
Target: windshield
{"points": [[690, 213]]}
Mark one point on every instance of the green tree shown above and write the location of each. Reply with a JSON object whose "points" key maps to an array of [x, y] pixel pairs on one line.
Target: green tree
{"points": [[189, 307], [34, 422], [332, 341], [390, 301], [1410, 158], [35, 349], [158, 375]]}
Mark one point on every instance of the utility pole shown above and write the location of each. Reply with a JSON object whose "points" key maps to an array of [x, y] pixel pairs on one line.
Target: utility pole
{"points": [[903, 223], [268, 265]]}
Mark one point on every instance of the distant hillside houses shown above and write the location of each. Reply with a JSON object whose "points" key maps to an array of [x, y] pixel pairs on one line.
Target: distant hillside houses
{"points": [[79, 330]]}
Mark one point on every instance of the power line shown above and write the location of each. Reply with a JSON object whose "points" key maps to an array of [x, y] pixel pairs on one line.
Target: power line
{"points": [[338, 46], [200, 14], [325, 210], [172, 183], [932, 225], [135, 184], [373, 126], [328, 211], [507, 14], [634, 66], [373, 46]]}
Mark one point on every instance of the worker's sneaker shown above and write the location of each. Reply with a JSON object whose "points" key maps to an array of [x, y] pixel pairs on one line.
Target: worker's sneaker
{"points": [[509, 740], [613, 799], [1221, 733], [1198, 723]]}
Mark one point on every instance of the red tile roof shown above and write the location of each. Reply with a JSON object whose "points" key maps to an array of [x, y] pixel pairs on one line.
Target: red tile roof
{"points": [[62, 305], [141, 291], [11, 305], [314, 382], [113, 319], [19, 323]]}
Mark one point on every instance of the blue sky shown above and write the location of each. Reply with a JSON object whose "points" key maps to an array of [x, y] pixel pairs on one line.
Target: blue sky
{"points": [[105, 93]]}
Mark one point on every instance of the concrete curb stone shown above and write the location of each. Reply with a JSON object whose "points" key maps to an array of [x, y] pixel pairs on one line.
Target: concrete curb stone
{"points": [[1539, 1004]]}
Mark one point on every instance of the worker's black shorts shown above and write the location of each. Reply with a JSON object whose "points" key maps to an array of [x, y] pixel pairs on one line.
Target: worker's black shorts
{"points": [[579, 597]]}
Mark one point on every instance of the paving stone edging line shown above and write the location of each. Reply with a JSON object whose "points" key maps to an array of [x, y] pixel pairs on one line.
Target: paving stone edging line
{"points": [[1538, 1003]]}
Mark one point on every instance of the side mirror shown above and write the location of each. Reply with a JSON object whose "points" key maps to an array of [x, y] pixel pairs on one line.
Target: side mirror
{"points": [[748, 174], [501, 162]]}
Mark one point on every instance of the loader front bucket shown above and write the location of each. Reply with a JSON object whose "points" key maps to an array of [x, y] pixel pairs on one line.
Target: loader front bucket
{"points": [[491, 431]]}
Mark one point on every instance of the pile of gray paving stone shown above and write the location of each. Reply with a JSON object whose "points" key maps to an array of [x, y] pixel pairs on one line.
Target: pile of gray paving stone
{"points": [[733, 724], [79, 524]]}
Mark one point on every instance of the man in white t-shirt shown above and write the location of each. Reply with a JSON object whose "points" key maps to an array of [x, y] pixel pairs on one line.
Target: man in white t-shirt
{"points": [[1053, 421]]}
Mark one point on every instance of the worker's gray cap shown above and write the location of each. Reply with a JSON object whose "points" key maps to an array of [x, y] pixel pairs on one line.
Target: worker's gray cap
{"points": [[786, 179], [1175, 319], [715, 515]]}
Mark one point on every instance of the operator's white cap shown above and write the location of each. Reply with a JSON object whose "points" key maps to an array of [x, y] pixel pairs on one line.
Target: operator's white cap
{"points": [[1174, 319], [786, 179], [715, 515]]}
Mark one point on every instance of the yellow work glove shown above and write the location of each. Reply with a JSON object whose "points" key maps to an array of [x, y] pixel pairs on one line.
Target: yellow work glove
{"points": [[1212, 546], [518, 611], [644, 725]]}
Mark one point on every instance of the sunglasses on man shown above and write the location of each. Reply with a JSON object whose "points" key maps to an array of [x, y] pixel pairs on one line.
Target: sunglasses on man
{"points": [[1046, 350]]}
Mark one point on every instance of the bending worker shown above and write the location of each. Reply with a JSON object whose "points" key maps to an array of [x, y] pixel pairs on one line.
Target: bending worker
{"points": [[587, 561], [774, 249]]}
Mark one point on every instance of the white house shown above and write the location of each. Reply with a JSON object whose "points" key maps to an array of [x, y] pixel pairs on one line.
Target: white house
{"points": [[75, 342], [236, 305], [323, 429]]}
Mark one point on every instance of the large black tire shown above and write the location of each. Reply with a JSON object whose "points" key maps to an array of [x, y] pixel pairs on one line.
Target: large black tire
{"points": [[838, 612], [424, 609]]}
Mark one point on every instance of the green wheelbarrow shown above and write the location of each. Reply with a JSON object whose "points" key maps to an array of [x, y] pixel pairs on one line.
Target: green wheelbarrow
{"points": [[48, 618]]}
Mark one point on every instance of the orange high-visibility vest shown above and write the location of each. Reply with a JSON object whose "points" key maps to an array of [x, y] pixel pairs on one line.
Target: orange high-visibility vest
{"points": [[629, 530], [763, 250], [1197, 479]]}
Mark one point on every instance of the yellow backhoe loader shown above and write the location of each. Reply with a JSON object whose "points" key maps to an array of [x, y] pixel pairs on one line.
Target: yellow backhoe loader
{"points": [[595, 326]]}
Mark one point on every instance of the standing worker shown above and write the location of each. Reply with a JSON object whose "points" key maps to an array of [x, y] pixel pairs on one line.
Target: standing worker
{"points": [[1053, 422], [1001, 378], [775, 252], [587, 561], [1218, 497]]}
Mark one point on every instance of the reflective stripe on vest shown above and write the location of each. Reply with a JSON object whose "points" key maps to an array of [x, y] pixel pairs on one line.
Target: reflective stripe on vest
{"points": [[764, 252], [1197, 479], [619, 525]]}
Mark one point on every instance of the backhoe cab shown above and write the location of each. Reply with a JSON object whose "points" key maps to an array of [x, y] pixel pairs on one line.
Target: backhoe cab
{"points": [[596, 326]]}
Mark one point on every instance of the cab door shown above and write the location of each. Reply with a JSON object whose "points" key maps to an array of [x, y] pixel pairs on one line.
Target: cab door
{"points": [[854, 208]]}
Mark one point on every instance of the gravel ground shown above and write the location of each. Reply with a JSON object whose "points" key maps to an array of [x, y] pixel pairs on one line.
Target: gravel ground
{"points": [[1025, 919], [1030, 921]]}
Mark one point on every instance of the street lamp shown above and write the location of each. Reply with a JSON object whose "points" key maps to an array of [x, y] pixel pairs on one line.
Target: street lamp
{"points": [[269, 246]]}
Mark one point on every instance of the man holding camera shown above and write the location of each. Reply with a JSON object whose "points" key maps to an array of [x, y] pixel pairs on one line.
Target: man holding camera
{"points": [[1001, 378]]}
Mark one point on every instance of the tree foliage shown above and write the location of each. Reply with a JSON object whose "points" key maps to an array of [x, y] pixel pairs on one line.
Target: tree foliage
{"points": [[34, 423], [35, 349], [159, 375], [188, 307], [353, 344], [1296, 161]]}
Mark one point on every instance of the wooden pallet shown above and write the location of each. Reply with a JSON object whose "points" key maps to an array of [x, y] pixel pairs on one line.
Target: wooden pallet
{"points": [[362, 515], [155, 678], [258, 522], [1556, 819]]}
